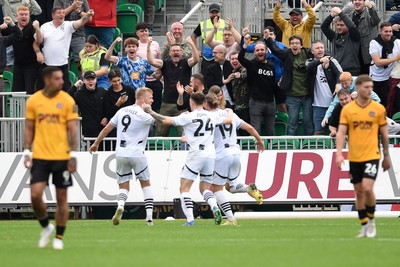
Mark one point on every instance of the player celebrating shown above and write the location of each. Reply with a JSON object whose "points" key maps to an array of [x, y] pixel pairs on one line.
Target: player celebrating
{"points": [[227, 163], [198, 126], [133, 126], [364, 119], [51, 116]]}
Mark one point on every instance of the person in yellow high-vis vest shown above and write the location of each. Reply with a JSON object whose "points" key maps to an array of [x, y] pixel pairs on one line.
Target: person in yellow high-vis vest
{"points": [[205, 27], [92, 59]]}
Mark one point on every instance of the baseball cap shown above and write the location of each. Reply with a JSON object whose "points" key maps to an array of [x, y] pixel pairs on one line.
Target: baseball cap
{"points": [[214, 7], [89, 74], [296, 11]]}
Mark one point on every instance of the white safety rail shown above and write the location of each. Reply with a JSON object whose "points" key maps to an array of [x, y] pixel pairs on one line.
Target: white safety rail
{"points": [[13, 104]]}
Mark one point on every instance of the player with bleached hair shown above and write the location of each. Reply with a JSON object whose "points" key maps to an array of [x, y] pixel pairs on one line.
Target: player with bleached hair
{"points": [[199, 127], [133, 126], [227, 163]]}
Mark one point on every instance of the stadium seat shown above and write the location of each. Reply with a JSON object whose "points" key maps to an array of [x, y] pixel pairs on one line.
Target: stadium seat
{"points": [[281, 123], [396, 117], [174, 132], [8, 78], [72, 77], [281, 144], [159, 4], [251, 144], [158, 145], [315, 143], [127, 17]]}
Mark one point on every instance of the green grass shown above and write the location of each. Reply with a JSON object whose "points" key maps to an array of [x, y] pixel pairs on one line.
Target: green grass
{"points": [[319, 242]]}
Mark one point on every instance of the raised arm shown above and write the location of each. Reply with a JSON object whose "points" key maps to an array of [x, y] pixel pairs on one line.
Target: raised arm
{"points": [[76, 4], [278, 52], [326, 27], [353, 30], [85, 19], [312, 18], [236, 34], [195, 53], [277, 18], [108, 56], [241, 57], [155, 62], [373, 13], [210, 36]]}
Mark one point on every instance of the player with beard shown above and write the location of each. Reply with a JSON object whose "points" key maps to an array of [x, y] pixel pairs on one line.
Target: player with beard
{"points": [[196, 85], [133, 68], [262, 86]]}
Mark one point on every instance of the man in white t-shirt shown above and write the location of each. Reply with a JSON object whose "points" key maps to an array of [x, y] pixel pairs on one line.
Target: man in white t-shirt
{"points": [[384, 50], [56, 40], [133, 126], [198, 126]]}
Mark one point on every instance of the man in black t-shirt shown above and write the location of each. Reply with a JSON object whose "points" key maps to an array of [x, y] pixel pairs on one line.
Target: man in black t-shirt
{"points": [[175, 69], [25, 64], [344, 98]]}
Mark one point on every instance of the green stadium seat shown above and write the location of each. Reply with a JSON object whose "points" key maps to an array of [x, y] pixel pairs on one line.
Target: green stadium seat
{"points": [[396, 117], [282, 144], [251, 144], [8, 78], [72, 77], [174, 132], [314, 143], [127, 17], [159, 4], [281, 123], [158, 145]]}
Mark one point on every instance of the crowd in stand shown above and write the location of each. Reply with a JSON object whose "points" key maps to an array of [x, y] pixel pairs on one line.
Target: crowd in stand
{"points": [[295, 76]]}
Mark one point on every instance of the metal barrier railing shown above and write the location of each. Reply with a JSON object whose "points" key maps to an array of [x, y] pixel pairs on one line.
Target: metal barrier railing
{"points": [[13, 104]]}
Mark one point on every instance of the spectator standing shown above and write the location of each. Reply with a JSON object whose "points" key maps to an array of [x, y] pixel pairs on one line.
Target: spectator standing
{"points": [[93, 58], [228, 38], [90, 101], [345, 41], [220, 73], [56, 39], [393, 105], [344, 99], [175, 36], [142, 32], [176, 69], [323, 81], [197, 84], [26, 67], [118, 95], [295, 26], [133, 68], [366, 18], [294, 82], [10, 7], [104, 21], [395, 22], [240, 90], [203, 29], [45, 16], [384, 50], [262, 86], [75, 10]]}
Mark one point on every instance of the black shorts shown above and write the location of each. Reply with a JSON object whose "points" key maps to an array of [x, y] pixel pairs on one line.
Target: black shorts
{"points": [[41, 170], [359, 170]]}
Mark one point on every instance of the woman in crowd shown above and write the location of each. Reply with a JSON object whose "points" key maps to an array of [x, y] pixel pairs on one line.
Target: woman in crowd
{"points": [[216, 90], [92, 58]]}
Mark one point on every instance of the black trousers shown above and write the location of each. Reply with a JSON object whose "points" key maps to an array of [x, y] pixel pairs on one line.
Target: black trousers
{"points": [[65, 71], [25, 78], [157, 88], [382, 90]]}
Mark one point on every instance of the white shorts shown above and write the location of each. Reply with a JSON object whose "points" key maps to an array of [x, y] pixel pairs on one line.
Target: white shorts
{"points": [[200, 166], [227, 169], [126, 165]]}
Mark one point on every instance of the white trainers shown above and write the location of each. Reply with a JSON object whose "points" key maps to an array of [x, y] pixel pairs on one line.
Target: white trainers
{"points": [[371, 229], [116, 219], [149, 223], [363, 232], [45, 236], [58, 244]]}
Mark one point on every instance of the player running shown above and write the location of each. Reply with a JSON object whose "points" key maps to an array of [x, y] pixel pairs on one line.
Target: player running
{"points": [[51, 117], [133, 126], [227, 163], [198, 126], [364, 119]]}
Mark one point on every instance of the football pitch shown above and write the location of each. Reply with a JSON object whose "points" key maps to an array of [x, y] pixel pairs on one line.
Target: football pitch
{"points": [[296, 242]]}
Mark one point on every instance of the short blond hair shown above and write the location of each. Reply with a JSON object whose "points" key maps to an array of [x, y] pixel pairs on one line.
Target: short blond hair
{"points": [[345, 76], [142, 91]]}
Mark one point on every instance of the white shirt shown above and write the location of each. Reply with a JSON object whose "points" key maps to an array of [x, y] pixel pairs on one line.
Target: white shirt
{"points": [[380, 74], [56, 42], [225, 137], [133, 125], [322, 93], [199, 127]]}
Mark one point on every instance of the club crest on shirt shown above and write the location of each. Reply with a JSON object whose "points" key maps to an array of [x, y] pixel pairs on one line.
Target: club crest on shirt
{"points": [[372, 114], [60, 105]]}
